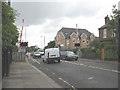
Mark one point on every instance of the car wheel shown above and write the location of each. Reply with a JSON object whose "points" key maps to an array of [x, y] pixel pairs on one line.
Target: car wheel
{"points": [[76, 59], [66, 58], [43, 61]]}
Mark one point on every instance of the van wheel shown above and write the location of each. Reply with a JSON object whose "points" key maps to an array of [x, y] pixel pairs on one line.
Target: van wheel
{"points": [[58, 61], [76, 59], [48, 62]]}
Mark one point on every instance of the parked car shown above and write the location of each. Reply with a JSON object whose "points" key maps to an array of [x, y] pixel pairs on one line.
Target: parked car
{"points": [[36, 54], [51, 55], [41, 52], [69, 55]]}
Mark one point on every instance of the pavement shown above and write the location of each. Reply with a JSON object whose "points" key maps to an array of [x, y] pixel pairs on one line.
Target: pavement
{"points": [[24, 75]]}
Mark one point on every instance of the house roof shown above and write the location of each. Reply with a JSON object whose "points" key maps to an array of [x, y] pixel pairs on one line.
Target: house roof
{"points": [[68, 31], [103, 27]]}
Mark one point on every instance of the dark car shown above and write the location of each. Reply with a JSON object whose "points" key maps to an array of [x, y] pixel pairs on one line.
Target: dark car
{"points": [[69, 55]]}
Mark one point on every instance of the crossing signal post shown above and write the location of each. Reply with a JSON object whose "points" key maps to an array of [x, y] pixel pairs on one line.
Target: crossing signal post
{"points": [[77, 44], [23, 46]]}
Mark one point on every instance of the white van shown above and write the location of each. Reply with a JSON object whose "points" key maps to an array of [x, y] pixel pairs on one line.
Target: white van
{"points": [[51, 54]]}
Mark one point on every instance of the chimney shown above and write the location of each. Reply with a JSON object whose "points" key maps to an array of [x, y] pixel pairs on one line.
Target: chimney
{"points": [[107, 19]]}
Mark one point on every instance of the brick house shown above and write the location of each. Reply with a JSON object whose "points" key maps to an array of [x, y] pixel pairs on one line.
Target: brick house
{"points": [[67, 37], [106, 34]]}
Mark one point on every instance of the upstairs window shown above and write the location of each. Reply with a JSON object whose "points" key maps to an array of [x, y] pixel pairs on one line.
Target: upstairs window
{"points": [[67, 42], [104, 33], [87, 42], [73, 40], [59, 36], [84, 40], [113, 33]]}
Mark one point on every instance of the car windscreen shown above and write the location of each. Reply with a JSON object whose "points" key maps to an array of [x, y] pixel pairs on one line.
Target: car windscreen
{"points": [[36, 52], [69, 52]]}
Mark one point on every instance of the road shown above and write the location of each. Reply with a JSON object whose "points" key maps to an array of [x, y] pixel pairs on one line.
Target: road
{"points": [[80, 74]]}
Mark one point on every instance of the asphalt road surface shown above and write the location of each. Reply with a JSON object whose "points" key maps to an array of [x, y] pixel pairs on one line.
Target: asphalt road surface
{"points": [[80, 74]]}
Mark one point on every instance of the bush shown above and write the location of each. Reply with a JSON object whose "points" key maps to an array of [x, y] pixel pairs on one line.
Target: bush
{"points": [[75, 50], [110, 52], [88, 50]]}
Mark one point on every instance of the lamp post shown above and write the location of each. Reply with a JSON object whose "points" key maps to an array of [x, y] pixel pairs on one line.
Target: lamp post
{"points": [[44, 40], [119, 40], [119, 35], [25, 32]]}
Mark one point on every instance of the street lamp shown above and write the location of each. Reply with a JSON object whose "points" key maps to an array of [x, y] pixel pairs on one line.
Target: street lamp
{"points": [[25, 32], [44, 40]]}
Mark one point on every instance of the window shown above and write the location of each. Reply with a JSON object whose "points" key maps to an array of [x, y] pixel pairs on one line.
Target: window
{"points": [[104, 33], [113, 34], [59, 36], [87, 42], [73, 40], [67, 42], [84, 40]]}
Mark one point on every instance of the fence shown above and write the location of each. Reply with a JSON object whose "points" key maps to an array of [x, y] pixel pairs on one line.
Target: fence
{"points": [[18, 56], [6, 61], [91, 55], [8, 57]]}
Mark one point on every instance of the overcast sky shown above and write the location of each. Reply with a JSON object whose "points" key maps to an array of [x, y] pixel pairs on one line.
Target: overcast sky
{"points": [[46, 18]]}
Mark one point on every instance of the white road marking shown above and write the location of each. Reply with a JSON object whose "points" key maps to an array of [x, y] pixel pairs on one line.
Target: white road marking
{"points": [[91, 66], [60, 78], [84, 65], [100, 68], [36, 61], [66, 82], [81, 64], [33, 60], [115, 71], [96, 67], [90, 78], [53, 73]]}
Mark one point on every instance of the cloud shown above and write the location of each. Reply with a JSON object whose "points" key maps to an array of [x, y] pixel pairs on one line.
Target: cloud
{"points": [[37, 12], [46, 18]]}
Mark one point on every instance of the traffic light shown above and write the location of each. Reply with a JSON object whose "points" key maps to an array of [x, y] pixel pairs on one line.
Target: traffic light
{"points": [[77, 44], [24, 44]]}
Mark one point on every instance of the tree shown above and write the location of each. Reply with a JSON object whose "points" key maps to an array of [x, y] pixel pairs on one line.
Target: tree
{"points": [[9, 30], [95, 43], [51, 44], [113, 23], [31, 49]]}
